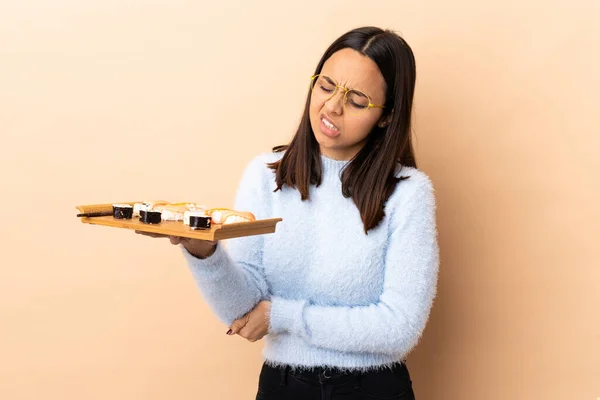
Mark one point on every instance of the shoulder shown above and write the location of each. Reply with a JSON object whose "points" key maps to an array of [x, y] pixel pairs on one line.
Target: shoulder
{"points": [[256, 184], [261, 160], [257, 171], [258, 165], [414, 194], [418, 181]]}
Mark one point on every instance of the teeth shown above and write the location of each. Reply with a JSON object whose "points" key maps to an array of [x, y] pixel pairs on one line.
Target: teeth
{"points": [[329, 124]]}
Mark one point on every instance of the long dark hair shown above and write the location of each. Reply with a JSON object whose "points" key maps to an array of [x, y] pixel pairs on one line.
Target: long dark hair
{"points": [[370, 177]]}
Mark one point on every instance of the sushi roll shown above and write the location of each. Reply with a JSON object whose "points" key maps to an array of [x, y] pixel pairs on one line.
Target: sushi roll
{"points": [[122, 211], [150, 217], [197, 220], [137, 207]]}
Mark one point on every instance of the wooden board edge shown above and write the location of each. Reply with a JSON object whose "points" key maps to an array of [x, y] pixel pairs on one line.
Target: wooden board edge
{"points": [[257, 223], [150, 228], [221, 232], [88, 208], [230, 231], [245, 232]]}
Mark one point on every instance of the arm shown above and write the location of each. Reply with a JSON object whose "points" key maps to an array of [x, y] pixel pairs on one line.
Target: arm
{"points": [[393, 324], [232, 281]]}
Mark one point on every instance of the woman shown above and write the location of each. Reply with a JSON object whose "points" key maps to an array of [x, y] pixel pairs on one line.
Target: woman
{"points": [[343, 290]]}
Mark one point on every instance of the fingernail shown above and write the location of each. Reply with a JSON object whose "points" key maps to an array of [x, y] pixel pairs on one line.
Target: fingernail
{"points": [[229, 332]]}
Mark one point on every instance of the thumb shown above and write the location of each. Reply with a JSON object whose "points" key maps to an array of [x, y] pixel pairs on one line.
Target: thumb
{"points": [[236, 326], [175, 239]]}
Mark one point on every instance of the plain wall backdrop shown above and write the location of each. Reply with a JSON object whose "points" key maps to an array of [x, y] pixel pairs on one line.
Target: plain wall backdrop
{"points": [[105, 101]]}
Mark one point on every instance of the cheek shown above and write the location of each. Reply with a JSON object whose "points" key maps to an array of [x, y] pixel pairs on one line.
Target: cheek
{"points": [[313, 112], [314, 109], [360, 128]]}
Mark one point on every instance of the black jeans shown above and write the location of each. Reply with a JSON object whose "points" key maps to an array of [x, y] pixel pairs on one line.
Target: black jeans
{"points": [[283, 383]]}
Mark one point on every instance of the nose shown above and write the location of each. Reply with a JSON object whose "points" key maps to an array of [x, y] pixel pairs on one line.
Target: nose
{"points": [[335, 104]]}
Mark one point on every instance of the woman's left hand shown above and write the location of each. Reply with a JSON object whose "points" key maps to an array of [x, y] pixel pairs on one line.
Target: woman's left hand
{"points": [[254, 325]]}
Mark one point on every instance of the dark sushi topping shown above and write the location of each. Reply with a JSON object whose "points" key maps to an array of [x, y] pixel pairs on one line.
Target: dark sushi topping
{"points": [[123, 212], [150, 217], [199, 222]]}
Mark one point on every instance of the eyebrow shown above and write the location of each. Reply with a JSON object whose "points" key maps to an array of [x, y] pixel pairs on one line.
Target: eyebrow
{"points": [[357, 91], [328, 79]]}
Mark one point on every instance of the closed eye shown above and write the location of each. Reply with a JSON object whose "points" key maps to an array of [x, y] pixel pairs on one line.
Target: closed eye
{"points": [[355, 104], [326, 89]]}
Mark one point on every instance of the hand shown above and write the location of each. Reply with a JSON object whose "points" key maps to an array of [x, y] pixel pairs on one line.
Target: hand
{"points": [[196, 247], [254, 325]]}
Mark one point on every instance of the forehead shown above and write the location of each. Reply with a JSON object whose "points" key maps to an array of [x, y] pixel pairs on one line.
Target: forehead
{"points": [[355, 71]]}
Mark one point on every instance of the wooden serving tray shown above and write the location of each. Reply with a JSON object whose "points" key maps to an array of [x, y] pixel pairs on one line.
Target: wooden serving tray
{"points": [[177, 228]]}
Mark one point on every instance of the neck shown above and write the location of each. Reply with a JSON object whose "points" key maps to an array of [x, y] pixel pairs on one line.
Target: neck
{"points": [[342, 154], [332, 169], [335, 156]]}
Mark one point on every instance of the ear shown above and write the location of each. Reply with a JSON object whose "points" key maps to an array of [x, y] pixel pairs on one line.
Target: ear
{"points": [[384, 121]]}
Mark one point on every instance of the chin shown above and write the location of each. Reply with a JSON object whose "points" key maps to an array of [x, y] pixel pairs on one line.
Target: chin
{"points": [[324, 141]]}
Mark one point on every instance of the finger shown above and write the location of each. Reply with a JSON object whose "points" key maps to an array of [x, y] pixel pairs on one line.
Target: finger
{"points": [[236, 326], [246, 329], [247, 333], [175, 239]]}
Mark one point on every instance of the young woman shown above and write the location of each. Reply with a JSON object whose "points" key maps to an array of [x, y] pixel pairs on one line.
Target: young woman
{"points": [[343, 290]]}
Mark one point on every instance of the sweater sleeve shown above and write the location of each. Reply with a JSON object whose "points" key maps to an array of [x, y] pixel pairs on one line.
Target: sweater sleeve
{"points": [[396, 321], [231, 280]]}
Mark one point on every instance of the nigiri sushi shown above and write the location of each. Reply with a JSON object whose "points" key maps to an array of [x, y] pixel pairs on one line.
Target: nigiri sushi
{"points": [[229, 216]]}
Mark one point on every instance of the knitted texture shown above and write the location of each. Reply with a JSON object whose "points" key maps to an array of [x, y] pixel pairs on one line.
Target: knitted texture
{"points": [[340, 298]]}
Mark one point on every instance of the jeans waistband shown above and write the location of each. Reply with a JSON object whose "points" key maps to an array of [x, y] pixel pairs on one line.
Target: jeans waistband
{"points": [[328, 373]]}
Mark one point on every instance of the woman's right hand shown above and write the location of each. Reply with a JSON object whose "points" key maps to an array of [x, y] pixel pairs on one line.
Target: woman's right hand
{"points": [[196, 247]]}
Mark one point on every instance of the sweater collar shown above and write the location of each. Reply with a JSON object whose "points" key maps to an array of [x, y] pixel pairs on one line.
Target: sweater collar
{"points": [[332, 168]]}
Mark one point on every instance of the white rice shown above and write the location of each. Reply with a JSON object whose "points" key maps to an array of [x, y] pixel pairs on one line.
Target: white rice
{"points": [[188, 214], [137, 207], [168, 215], [233, 219]]}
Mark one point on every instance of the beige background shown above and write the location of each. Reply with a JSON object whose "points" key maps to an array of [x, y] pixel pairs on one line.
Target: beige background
{"points": [[104, 101]]}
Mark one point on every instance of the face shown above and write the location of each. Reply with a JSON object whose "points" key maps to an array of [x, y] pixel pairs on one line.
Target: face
{"points": [[342, 131]]}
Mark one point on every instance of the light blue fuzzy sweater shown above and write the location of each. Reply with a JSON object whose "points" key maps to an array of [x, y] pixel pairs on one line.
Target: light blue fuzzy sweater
{"points": [[340, 298]]}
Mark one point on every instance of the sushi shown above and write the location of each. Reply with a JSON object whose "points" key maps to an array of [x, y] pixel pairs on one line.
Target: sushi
{"points": [[137, 207], [194, 215], [229, 216], [174, 211], [169, 211], [122, 211], [150, 217], [197, 220]]}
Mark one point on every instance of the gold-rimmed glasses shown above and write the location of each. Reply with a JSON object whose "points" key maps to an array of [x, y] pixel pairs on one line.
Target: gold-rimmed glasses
{"points": [[354, 101]]}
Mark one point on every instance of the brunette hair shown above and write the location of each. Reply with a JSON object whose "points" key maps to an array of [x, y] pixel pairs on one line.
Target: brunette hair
{"points": [[370, 177]]}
